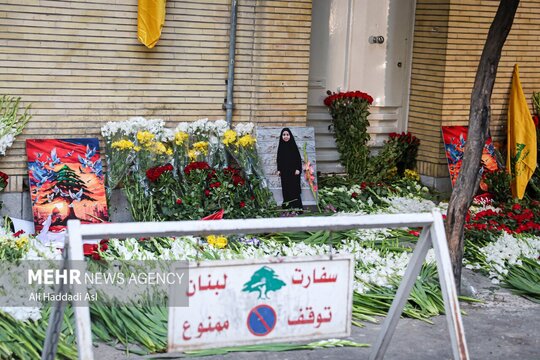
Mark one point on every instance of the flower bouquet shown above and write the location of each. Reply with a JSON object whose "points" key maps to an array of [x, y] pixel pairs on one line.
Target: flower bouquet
{"points": [[182, 174], [350, 112]]}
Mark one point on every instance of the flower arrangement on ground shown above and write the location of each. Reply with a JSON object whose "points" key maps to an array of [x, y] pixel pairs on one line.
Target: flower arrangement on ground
{"points": [[350, 112]]}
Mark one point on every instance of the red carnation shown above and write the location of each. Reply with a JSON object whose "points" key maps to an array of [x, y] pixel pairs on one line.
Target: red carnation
{"points": [[516, 207], [238, 180], [354, 195], [18, 233], [242, 204], [215, 185], [179, 201], [207, 192]]}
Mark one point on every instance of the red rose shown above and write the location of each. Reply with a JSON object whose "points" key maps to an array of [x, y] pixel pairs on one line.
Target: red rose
{"points": [[215, 185], [238, 180], [242, 204], [211, 174], [179, 201], [104, 245], [207, 192], [354, 195], [196, 165]]}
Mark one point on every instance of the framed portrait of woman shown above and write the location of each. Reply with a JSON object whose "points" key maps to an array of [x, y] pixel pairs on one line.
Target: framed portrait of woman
{"points": [[287, 155]]}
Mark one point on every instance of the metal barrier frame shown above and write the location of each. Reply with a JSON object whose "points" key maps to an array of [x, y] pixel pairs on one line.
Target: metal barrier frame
{"points": [[432, 235]]}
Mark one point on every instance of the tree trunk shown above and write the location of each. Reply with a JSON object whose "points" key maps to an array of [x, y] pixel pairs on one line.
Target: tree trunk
{"points": [[479, 117]]}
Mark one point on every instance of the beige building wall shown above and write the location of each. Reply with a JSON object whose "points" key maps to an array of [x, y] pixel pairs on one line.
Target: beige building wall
{"points": [[80, 65], [448, 41]]}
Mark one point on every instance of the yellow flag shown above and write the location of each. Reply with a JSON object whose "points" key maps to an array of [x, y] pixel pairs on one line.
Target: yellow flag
{"points": [[521, 159], [150, 21]]}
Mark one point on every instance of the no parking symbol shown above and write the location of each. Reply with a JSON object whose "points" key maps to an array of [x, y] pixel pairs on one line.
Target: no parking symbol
{"points": [[261, 320]]}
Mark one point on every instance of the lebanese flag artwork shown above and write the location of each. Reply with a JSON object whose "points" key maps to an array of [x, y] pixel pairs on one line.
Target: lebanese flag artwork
{"points": [[66, 182]]}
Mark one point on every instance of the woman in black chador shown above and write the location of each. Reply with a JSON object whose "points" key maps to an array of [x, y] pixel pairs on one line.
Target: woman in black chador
{"points": [[289, 165]]}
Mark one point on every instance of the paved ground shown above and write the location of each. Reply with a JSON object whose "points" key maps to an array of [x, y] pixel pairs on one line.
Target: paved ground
{"points": [[503, 327]]}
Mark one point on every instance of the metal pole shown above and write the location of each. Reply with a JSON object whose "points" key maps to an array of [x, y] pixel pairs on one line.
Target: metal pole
{"points": [[229, 106]]}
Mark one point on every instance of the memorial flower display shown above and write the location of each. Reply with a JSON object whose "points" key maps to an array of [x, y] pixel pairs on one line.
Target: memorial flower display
{"points": [[381, 255], [350, 111], [183, 173]]}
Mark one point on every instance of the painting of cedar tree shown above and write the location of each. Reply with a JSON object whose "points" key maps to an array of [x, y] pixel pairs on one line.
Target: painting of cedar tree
{"points": [[66, 182]]}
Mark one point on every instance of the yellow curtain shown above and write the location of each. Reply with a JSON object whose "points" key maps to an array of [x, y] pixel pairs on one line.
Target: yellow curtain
{"points": [[150, 21], [521, 159]]}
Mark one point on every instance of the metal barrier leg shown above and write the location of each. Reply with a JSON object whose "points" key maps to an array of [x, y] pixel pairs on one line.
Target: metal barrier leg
{"points": [[82, 311], [56, 318], [413, 269], [448, 287]]}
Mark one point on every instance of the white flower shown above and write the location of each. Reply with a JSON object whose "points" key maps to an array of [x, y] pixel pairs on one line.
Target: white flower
{"points": [[167, 135], [199, 126], [23, 313], [403, 205], [220, 126], [5, 142], [132, 126], [244, 128], [183, 127], [506, 251]]}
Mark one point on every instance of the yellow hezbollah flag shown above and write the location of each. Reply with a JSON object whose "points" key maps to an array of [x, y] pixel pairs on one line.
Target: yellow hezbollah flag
{"points": [[521, 159], [150, 21]]}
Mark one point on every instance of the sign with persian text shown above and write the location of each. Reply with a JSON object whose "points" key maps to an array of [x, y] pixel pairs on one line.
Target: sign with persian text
{"points": [[243, 302]]}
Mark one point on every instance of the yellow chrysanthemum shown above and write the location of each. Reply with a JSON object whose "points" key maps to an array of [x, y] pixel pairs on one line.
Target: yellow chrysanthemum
{"points": [[180, 137], [218, 241], [137, 148], [122, 145], [193, 154], [201, 146], [246, 141], [159, 148], [21, 242], [145, 138], [411, 174], [229, 137]]}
